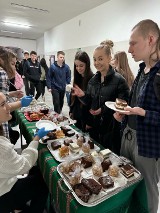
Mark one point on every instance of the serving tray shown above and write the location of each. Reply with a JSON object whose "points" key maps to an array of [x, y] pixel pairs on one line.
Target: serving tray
{"points": [[120, 182], [72, 155]]}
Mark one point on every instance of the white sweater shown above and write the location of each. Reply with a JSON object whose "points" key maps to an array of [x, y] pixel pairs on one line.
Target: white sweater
{"points": [[13, 164]]}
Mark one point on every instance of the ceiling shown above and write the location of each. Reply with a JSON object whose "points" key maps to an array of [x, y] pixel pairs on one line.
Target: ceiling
{"points": [[40, 15]]}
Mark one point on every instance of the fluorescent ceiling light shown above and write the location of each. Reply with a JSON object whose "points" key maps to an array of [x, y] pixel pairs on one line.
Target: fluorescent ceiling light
{"points": [[6, 31], [21, 6], [10, 24]]}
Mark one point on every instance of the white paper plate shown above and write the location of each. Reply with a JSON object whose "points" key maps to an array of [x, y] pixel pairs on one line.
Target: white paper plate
{"points": [[111, 105], [48, 125]]}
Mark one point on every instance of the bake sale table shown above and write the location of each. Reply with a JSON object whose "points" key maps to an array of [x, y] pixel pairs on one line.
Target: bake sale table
{"points": [[132, 199]]}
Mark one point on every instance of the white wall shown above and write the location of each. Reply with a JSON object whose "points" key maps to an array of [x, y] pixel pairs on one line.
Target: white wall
{"points": [[112, 20], [25, 44], [40, 47]]}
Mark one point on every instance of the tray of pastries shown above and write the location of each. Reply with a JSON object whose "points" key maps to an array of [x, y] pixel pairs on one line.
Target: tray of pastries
{"points": [[35, 113], [59, 133], [96, 177], [71, 147], [58, 119]]}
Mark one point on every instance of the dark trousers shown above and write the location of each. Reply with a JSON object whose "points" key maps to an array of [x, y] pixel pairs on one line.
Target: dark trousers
{"points": [[38, 88], [26, 85], [58, 100], [108, 137], [43, 85], [29, 188]]}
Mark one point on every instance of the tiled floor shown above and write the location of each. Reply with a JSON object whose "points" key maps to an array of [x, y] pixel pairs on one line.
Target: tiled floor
{"points": [[65, 111]]}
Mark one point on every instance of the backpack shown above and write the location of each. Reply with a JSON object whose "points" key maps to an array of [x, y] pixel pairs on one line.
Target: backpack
{"points": [[18, 81]]}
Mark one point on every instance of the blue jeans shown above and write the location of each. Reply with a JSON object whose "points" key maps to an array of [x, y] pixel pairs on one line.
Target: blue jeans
{"points": [[68, 97]]}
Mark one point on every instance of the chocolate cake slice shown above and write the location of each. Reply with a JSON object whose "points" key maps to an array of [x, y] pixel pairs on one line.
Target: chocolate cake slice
{"points": [[120, 104], [106, 182], [82, 192], [92, 185], [127, 170]]}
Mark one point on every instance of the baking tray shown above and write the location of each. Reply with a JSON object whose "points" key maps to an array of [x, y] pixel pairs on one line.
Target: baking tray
{"points": [[121, 182]]}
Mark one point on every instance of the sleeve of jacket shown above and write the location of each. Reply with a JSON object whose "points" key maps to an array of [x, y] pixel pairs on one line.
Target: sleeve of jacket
{"points": [[49, 76], [68, 75], [26, 69], [123, 89], [86, 99]]}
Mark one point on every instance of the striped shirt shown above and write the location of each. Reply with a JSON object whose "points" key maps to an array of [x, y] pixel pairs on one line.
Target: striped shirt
{"points": [[4, 88]]}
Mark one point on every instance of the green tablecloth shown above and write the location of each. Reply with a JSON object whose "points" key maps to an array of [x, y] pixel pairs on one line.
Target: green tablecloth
{"points": [[131, 200]]}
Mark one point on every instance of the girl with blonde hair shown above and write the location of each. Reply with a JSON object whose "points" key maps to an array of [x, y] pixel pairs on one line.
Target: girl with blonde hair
{"points": [[121, 65], [105, 85]]}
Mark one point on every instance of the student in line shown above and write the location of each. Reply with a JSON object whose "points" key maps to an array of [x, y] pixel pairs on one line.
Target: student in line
{"points": [[82, 74], [141, 136], [120, 63], [106, 85], [32, 72], [58, 76], [44, 73]]}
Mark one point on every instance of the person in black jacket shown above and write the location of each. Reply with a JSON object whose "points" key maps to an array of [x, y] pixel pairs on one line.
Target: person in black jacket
{"points": [[106, 85], [21, 72], [44, 73], [32, 72], [82, 74]]}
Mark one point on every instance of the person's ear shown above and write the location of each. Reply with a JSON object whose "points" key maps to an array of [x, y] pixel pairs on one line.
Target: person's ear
{"points": [[152, 40]]}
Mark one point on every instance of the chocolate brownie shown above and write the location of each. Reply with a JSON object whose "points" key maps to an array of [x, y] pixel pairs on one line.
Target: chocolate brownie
{"points": [[52, 135], [83, 193], [92, 185], [67, 142], [105, 164], [106, 182], [55, 145], [86, 161]]}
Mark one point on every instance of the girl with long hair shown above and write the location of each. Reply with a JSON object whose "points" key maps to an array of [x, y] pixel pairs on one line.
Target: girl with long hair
{"points": [[120, 62], [82, 74]]}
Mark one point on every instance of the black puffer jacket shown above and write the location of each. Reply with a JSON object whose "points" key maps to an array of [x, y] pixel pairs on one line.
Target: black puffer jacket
{"points": [[114, 86]]}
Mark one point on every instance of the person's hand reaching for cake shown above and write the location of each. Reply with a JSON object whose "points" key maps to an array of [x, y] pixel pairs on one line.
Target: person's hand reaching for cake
{"points": [[77, 91]]}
